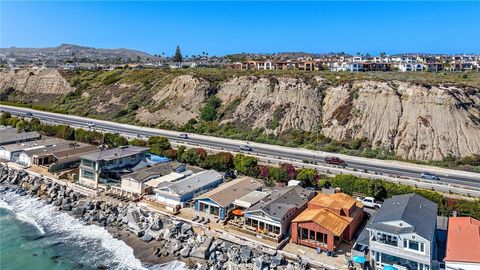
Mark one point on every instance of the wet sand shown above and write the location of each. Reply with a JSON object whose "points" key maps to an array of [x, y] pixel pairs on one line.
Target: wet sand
{"points": [[144, 251]]}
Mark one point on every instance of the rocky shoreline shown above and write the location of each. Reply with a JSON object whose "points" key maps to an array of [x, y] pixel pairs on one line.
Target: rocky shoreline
{"points": [[155, 238]]}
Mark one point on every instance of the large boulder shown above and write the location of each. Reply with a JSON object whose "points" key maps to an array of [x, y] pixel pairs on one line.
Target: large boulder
{"points": [[147, 237], [185, 251], [277, 260], [245, 254], [201, 251], [79, 212], [185, 228], [134, 222]]}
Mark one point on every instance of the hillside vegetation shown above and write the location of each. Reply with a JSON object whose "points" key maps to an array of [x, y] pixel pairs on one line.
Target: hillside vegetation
{"points": [[427, 117]]}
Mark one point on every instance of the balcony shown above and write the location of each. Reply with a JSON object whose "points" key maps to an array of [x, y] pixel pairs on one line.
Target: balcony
{"points": [[386, 240]]}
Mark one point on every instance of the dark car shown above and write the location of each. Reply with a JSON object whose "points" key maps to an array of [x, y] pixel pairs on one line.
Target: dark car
{"points": [[335, 161], [245, 148], [183, 135], [29, 114], [431, 176]]}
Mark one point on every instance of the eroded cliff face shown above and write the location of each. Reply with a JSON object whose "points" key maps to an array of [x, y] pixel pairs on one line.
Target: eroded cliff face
{"points": [[275, 104], [43, 81], [177, 102], [414, 121]]}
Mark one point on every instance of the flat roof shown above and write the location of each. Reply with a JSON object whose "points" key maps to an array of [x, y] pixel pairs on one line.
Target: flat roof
{"points": [[225, 194], [46, 141], [250, 199], [10, 137], [195, 182], [115, 153], [62, 154], [46, 150], [171, 177], [144, 173], [463, 240]]}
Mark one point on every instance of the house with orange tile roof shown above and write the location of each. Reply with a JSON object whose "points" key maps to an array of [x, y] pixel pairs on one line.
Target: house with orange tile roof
{"points": [[463, 244], [328, 220]]}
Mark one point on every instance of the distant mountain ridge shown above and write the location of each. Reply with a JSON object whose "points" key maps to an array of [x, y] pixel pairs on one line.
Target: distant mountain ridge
{"points": [[66, 52]]}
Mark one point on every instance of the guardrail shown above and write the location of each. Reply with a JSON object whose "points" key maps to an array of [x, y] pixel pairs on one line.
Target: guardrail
{"points": [[328, 170]]}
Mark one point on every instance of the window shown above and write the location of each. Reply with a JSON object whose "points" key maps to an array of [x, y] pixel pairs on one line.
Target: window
{"points": [[304, 233], [321, 238], [87, 174], [387, 239], [413, 245], [88, 163]]}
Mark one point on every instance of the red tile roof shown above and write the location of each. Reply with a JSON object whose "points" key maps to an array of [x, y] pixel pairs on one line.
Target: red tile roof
{"points": [[463, 242]]}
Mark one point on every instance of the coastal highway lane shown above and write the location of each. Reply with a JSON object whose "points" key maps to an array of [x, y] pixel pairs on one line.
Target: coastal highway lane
{"points": [[448, 177]]}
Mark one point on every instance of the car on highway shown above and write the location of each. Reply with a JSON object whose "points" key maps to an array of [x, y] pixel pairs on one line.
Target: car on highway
{"points": [[245, 148], [90, 124], [370, 202], [183, 136], [335, 161], [29, 114], [431, 176]]}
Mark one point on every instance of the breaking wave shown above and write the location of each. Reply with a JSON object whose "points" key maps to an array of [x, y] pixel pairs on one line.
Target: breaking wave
{"points": [[87, 244]]}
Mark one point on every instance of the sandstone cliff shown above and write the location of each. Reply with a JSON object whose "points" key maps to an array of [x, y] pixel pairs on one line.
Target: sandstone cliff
{"points": [[178, 101], [43, 81], [415, 120], [276, 104]]}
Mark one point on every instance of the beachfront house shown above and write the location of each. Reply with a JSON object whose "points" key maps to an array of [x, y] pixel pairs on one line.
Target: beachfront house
{"points": [[135, 183], [402, 233], [328, 220], [177, 194], [271, 216], [463, 244], [11, 136], [11, 152], [57, 157], [219, 201], [103, 164]]}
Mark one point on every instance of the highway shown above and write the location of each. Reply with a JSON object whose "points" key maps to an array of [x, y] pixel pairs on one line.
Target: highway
{"points": [[397, 169]]}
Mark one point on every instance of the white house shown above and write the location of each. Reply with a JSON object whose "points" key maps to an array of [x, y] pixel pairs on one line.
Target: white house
{"points": [[402, 233]]}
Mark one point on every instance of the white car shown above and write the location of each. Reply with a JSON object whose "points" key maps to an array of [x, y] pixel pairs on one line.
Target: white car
{"points": [[90, 124], [370, 202]]}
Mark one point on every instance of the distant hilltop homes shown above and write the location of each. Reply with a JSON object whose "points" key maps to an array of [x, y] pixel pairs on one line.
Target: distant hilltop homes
{"points": [[402, 63], [331, 62]]}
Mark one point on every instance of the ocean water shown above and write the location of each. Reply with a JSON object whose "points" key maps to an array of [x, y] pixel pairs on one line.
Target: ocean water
{"points": [[35, 236]]}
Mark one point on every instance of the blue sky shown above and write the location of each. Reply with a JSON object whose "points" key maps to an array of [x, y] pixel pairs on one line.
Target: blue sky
{"points": [[228, 27]]}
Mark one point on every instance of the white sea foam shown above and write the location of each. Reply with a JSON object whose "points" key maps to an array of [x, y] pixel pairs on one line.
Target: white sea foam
{"points": [[25, 218], [95, 245], [5, 205], [173, 265]]}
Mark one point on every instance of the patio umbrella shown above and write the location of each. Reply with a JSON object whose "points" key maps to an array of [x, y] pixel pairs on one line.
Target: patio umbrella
{"points": [[359, 259], [389, 267]]}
